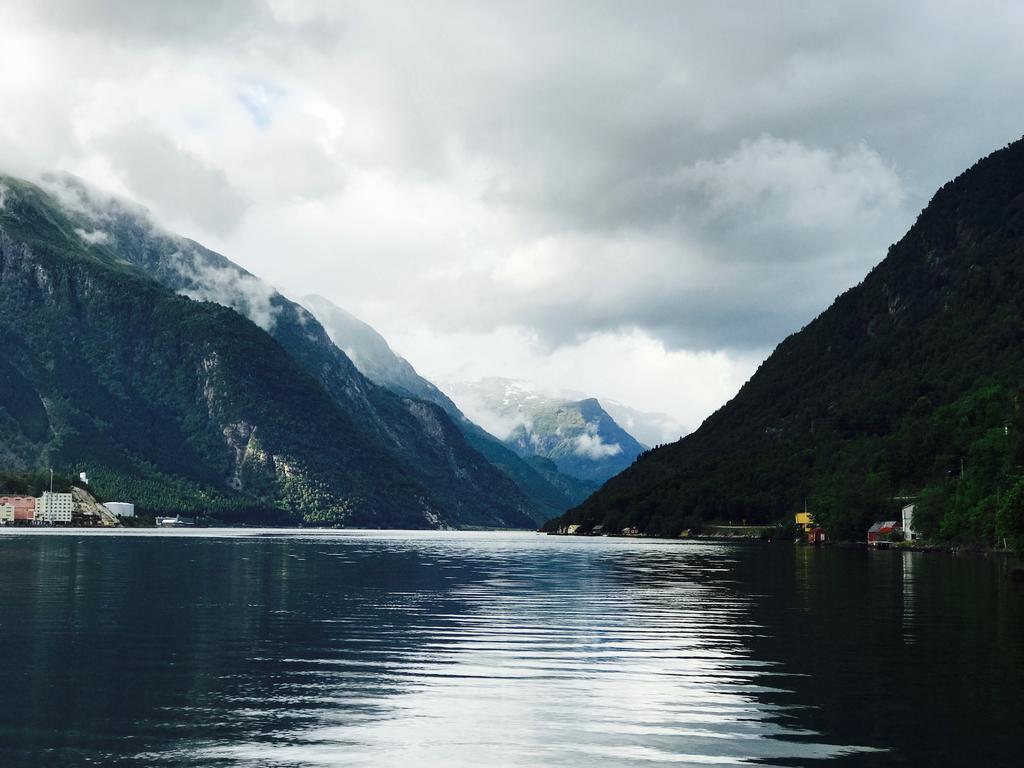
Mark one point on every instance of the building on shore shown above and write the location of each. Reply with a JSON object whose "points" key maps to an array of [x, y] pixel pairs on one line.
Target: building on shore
{"points": [[909, 534], [120, 508], [883, 532], [815, 534], [803, 521], [54, 508], [6, 513], [24, 507]]}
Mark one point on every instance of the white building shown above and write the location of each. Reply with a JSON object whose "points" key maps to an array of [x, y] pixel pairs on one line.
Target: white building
{"points": [[6, 514], [121, 508], [909, 534], [54, 507]]}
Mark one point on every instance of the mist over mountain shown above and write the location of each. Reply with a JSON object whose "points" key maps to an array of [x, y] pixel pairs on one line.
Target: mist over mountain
{"points": [[173, 374], [372, 355], [649, 427], [579, 436]]}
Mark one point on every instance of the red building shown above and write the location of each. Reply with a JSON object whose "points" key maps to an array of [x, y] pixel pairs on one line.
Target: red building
{"points": [[24, 506], [883, 532]]}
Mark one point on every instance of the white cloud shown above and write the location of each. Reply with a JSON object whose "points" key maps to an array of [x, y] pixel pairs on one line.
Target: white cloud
{"points": [[593, 447], [629, 367], [244, 293], [92, 237], [482, 413], [671, 190]]}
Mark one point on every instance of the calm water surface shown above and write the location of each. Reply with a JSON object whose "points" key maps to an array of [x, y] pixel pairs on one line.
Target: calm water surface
{"points": [[232, 648]]}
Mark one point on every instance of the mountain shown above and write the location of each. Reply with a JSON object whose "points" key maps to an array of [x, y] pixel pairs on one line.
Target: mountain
{"points": [[117, 359], [551, 492], [907, 387], [579, 436]]}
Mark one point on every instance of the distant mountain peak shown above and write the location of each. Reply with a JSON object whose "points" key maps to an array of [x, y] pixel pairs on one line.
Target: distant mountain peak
{"points": [[579, 435]]}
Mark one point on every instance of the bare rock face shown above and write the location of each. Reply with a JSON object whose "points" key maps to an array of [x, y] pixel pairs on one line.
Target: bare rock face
{"points": [[90, 509]]}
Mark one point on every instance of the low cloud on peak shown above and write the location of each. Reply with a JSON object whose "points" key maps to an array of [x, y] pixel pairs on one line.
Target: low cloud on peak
{"points": [[684, 185]]}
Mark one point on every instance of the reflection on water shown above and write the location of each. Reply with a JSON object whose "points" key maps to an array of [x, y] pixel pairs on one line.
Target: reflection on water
{"points": [[907, 560], [439, 649]]}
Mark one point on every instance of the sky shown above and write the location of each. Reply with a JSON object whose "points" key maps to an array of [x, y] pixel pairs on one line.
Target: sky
{"points": [[633, 200]]}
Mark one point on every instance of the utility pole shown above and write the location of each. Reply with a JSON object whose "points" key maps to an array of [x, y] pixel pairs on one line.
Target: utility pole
{"points": [[51, 479]]}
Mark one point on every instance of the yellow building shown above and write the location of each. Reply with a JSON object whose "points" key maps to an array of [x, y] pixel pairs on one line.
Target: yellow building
{"points": [[803, 519]]}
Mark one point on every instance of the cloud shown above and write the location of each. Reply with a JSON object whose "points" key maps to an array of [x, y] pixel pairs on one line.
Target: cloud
{"points": [[244, 293], [632, 368], [479, 410], [151, 22], [178, 182], [757, 242], [593, 447], [649, 427], [699, 181], [96, 236]]}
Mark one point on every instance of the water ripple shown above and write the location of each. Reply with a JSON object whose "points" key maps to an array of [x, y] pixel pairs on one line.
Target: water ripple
{"points": [[441, 650]]}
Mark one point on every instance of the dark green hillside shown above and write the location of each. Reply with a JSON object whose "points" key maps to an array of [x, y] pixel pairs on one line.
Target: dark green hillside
{"points": [[909, 385], [165, 398], [421, 457]]}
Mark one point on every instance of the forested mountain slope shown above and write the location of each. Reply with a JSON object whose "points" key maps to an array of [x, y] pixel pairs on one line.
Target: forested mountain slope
{"points": [[184, 403], [909, 385]]}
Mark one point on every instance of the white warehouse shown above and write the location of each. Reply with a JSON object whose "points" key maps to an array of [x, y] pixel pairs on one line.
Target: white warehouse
{"points": [[121, 508]]}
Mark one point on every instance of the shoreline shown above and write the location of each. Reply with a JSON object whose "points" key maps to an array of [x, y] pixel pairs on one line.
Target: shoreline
{"points": [[952, 549]]}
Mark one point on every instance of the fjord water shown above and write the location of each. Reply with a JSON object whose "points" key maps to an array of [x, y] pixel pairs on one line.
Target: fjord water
{"points": [[207, 648]]}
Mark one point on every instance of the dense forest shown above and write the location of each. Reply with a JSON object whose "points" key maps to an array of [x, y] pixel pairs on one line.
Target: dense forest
{"points": [[32, 483], [909, 387]]}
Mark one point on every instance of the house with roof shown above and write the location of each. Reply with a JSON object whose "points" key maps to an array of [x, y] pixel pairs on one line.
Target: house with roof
{"points": [[883, 532]]}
